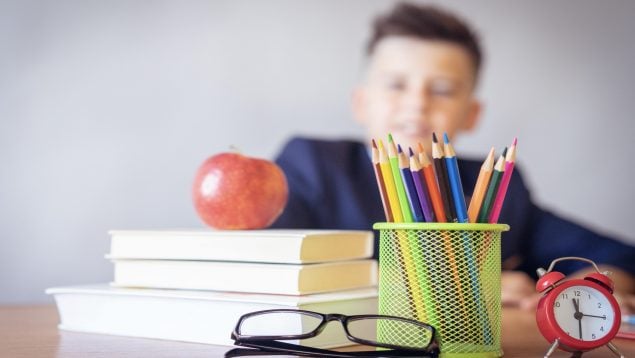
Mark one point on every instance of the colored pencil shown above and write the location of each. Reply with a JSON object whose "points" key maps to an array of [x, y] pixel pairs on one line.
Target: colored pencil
{"points": [[431, 184], [437, 204], [411, 190], [422, 191], [403, 247], [492, 188], [510, 158], [389, 181], [481, 187], [454, 178], [380, 183], [455, 290], [396, 173], [442, 178], [461, 213]]}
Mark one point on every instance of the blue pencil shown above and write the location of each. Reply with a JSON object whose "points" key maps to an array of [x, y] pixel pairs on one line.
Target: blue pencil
{"points": [[411, 190], [455, 181], [461, 214]]}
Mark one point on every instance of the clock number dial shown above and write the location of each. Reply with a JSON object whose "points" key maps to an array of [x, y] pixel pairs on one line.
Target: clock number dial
{"points": [[583, 313]]}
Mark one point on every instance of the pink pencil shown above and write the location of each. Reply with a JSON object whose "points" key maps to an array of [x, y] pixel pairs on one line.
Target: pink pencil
{"points": [[502, 188]]}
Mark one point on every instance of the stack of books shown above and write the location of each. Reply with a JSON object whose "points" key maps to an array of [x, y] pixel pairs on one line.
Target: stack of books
{"points": [[192, 286]]}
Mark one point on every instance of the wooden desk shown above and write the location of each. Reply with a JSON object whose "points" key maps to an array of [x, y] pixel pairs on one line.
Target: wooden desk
{"points": [[31, 331]]}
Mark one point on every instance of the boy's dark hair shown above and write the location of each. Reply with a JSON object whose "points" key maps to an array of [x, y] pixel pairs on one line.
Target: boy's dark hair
{"points": [[428, 23]]}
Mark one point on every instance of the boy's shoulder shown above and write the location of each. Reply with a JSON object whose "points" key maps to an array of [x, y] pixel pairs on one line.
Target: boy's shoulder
{"points": [[304, 143], [310, 147]]}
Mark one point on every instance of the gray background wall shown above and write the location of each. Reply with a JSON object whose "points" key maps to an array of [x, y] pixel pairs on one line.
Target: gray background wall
{"points": [[108, 107]]}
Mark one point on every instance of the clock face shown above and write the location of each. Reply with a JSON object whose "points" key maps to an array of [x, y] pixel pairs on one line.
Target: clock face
{"points": [[583, 313]]}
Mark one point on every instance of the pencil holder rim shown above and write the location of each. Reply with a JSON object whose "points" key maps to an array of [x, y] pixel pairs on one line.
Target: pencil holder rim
{"points": [[441, 226]]}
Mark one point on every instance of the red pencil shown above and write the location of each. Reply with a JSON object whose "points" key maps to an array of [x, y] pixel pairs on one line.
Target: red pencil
{"points": [[510, 158]]}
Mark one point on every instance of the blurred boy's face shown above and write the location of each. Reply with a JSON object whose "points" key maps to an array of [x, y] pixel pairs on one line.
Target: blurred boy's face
{"points": [[415, 87]]}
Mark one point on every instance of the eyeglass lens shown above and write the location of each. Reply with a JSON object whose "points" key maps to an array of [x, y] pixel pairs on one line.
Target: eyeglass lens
{"points": [[279, 324], [391, 332], [374, 329]]}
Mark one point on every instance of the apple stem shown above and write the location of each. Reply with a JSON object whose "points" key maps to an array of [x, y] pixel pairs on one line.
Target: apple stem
{"points": [[235, 149]]}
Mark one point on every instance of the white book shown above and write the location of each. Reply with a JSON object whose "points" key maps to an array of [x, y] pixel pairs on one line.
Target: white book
{"points": [[289, 279], [195, 316], [269, 245]]}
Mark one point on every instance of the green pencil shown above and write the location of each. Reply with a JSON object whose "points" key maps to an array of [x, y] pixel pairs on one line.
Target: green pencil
{"points": [[396, 173], [492, 189]]}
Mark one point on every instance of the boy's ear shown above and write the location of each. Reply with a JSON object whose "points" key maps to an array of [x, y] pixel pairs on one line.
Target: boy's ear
{"points": [[473, 115], [358, 104]]}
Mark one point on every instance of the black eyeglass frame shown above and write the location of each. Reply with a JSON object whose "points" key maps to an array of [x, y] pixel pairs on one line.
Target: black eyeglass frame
{"points": [[271, 347], [326, 318]]}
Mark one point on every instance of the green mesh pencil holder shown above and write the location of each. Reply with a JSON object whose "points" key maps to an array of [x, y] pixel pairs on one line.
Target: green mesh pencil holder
{"points": [[447, 275]]}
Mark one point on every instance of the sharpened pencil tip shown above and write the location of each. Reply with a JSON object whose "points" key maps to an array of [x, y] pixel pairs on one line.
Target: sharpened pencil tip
{"points": [[381, 145], [504, 152], [445, 138], [434, 137], [399, 148], [420, 146], [373, 142], [410, 151], [515, 140], [390, 137]]}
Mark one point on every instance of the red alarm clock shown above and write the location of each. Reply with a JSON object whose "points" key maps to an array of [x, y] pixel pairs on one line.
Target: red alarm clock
{"points": [[577, 315]]}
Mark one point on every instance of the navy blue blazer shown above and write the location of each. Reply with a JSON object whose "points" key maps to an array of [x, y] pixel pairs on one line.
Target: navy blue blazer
{"points": [[332, 186]]}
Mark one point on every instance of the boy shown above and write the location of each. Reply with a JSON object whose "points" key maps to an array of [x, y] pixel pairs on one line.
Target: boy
{"points": [[422, 73]]}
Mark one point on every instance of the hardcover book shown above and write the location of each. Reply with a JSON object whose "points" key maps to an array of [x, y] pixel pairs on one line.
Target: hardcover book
{"points": [[269, 245], [290, 279]]}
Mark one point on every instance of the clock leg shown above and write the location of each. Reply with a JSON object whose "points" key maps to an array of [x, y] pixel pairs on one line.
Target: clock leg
{"points": [[577, 355], [614, 349], [552, 348]]}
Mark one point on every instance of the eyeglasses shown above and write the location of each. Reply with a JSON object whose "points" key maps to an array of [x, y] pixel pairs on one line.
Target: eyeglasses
{"points": [[396, 336]]}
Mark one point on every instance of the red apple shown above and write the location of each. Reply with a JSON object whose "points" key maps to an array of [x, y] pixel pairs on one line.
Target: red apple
{"points": [[233, 191]]}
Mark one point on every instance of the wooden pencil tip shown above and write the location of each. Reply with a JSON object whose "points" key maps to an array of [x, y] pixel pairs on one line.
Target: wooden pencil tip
{"points": [[434, 137], [373, 143], [515, 140], [389, 137], [420, 146], [504, 152], [410, 151], [399, 148], [381, 145], [445, 138]]}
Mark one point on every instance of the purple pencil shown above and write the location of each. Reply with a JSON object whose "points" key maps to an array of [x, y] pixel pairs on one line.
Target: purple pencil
{"points": [[422, 189]]}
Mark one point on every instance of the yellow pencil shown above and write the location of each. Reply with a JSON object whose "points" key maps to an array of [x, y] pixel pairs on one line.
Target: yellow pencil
{"points": [[389, 181], [481, 187], [402, 236]]}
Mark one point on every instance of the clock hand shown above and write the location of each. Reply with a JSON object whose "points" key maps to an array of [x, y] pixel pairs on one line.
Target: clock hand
{"points": [[578, 315], [575, 305], [588, 315]]}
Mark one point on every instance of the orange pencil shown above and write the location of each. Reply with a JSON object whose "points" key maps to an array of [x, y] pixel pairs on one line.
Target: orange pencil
{"points": [[380, 183], [431, 183], [481, 187]]}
